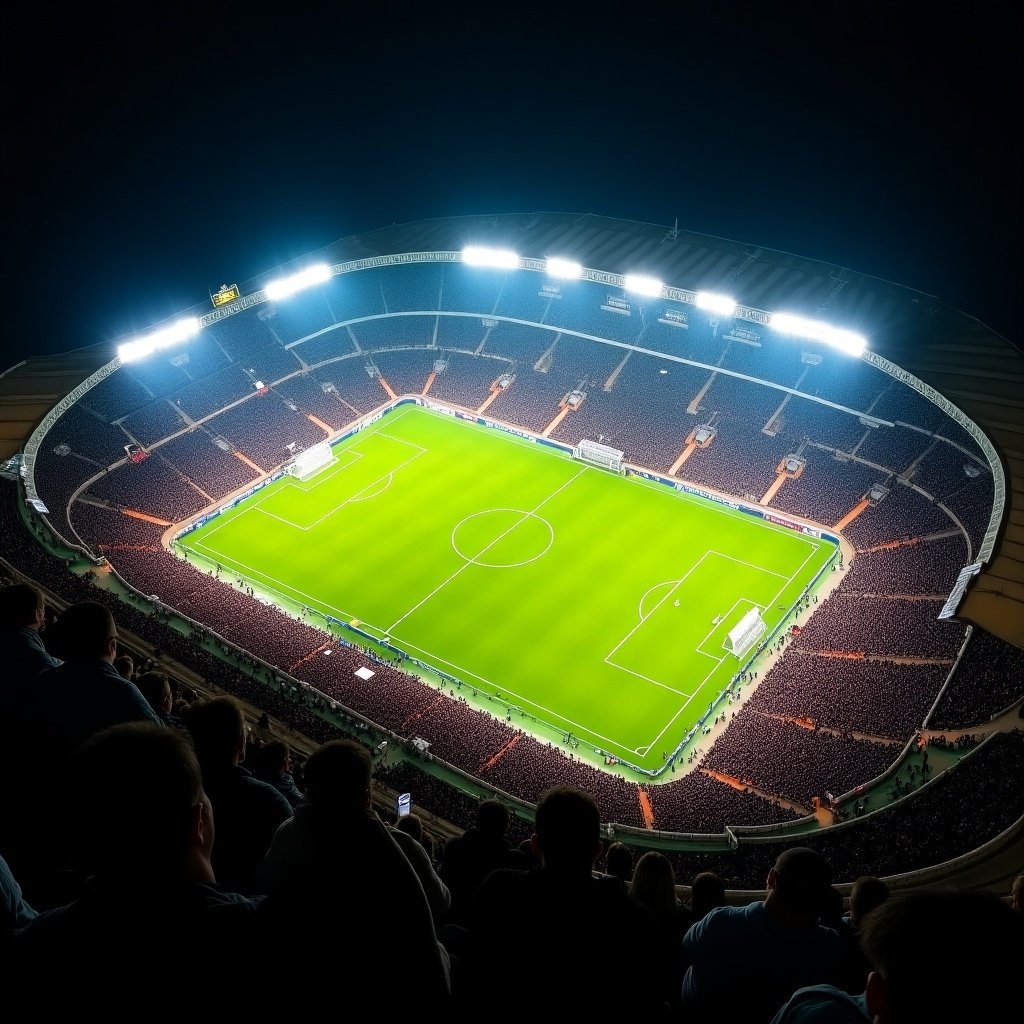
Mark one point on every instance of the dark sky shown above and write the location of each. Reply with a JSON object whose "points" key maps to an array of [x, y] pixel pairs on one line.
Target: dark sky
{"points": [[149, 162]]}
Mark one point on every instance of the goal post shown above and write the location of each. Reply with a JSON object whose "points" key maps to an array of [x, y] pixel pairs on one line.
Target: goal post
{"points": [[311, 461], [745, 633], [601, 455]]}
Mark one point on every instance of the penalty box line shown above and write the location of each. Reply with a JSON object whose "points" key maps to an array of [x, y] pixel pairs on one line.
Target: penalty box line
{"points": [[388, 476]]}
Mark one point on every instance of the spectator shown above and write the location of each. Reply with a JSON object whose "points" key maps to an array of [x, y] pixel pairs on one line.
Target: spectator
{"points": [[70, 703], [156, 688], [248, 811], [973, 964], [124, 666], [468, 859], [618, 862], [777, 941], [335, 857], [866, 893], [706, 893], [144, 832], [410, 839], [22, 614], [654, 885], [519, 921], [273, 765], [14, 911]]}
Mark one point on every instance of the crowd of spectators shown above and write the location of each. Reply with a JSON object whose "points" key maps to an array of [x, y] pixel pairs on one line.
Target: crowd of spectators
{"points": [[988, 680], [154, 486], [894, 626], [793, 761], [216, 471], [928, 567], [865, 695], [154, 422], [263, 427]]}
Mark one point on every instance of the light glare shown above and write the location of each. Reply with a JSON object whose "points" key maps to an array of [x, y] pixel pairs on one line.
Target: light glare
{"points": [[557, 267], [285, 286], [714, 303], [642, 285], [481, 256], [180, 330], [817, 330]]}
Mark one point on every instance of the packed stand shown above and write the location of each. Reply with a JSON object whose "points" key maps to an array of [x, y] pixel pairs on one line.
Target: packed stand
{"points": [[988, 680]]}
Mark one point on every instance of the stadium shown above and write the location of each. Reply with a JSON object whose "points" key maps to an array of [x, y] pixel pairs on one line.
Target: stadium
{"points": [[722, 536]]}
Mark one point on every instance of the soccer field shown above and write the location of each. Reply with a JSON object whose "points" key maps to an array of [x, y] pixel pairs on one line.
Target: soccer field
{"points": [[587, 600]]}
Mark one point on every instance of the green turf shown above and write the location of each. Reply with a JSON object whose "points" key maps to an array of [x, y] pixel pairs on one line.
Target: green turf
{"points": [[520, 571]]}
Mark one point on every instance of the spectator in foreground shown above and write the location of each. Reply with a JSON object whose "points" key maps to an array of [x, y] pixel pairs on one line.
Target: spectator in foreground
{"points": [[866, 893], [124, 665], [22, 613], [468, 859], [144, 831], [961, 947], [14, 911], [77, 699], [335, 860], [777, 943], [542, 924], [156, 688], [273, 765], [248, 811], [618, 862], [654, 885]]}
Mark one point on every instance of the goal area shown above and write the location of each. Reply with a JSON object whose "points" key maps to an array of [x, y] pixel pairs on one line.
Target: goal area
{"points": [[311, 461], [601, 455], [745, 633]]}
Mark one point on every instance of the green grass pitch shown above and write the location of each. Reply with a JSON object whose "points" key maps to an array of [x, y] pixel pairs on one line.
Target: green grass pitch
{"points": [[586, 599]]}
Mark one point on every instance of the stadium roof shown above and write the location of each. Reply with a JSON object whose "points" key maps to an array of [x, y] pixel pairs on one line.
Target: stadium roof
{"points": [[975, 368]]}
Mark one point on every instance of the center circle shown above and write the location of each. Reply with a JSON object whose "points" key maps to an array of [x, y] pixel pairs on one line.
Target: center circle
{"points": [[502, 538]]}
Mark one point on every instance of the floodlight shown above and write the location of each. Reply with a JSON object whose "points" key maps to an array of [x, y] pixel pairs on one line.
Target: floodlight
{"points": [[817, 330], [642, 285], [180, 330], [481, 256], [285, 286], [557, 267], [714, 303]]}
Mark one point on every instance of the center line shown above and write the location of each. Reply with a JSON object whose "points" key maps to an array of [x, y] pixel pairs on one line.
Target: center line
{"points": [[484, 550]]}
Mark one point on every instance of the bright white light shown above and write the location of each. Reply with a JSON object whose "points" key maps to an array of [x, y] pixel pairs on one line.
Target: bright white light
{"points": [[285, 286], [558, 267], [180, 330], [817, 330], [642, 285], [713, 303], [480, 256]]}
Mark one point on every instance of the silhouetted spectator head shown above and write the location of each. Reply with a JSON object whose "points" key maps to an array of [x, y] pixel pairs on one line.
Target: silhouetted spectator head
{"points": [[217, 727], [22, 604], [85, 632], [125, 666], [492, 818], [706, 893], [654, 884], [156, 688], [271, 759], [798, 883], [567, 836], [141, 807], [866, 893], [1017, 894], [618, 861], [965, 947], [338, 776]]}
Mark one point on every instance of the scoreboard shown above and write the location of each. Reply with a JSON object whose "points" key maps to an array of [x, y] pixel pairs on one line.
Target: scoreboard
{"points": [[225, 294]]}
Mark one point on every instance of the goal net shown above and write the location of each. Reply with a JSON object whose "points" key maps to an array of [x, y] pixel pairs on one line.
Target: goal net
{"points": [[601, 455], [311, 461], [745, 633]]}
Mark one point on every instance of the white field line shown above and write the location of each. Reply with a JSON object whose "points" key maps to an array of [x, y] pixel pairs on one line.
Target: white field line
{"points": [[484, 550]]}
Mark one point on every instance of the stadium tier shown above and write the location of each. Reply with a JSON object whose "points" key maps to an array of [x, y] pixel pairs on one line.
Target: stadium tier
{"points": [[854, 663]]}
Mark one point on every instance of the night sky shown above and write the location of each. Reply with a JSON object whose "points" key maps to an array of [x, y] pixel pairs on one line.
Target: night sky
{"points": [[149, 163]]}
